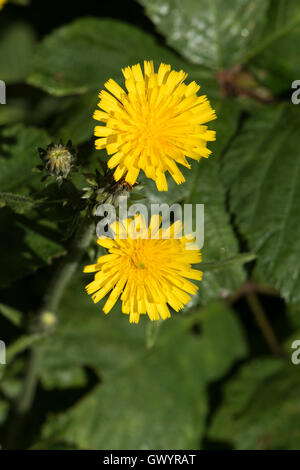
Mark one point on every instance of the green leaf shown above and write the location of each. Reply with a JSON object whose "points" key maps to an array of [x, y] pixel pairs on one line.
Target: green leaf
{"points": [[11, 382], [234, 260], [261, 170], [277, 55], [17, 202], [62, 66], [293, 312], [75, 121], [29, 238], [260, 408], [19, 155], [13, 315], [81, 56], [166, 384], [220, 326], [89, 338], [15, 110], [168, 406], [17, 41], [152, 333], [71, 377], [206, 187], [26, 244], [21, 344], [161, 399], [212, 33]]}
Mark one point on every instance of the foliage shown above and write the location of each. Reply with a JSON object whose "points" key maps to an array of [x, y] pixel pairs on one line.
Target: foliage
{"points": [[204, 378]]}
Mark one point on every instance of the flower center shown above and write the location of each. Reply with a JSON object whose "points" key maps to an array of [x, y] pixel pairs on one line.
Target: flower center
{"points": [[137, 260], [150, 129]]}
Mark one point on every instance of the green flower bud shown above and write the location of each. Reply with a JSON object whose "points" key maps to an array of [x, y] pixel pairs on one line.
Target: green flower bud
{"points": [[103, 189], [58, 160]]}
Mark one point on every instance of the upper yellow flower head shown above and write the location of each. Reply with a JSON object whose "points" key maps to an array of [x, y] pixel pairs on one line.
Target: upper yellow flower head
{"points": [[147, 269], [2, 3], [159, 122]]}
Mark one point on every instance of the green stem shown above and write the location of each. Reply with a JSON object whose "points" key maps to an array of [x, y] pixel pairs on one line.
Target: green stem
{"points": [[30, 383], [252, 287], [67, 268], [263, 323], [50, 304]]}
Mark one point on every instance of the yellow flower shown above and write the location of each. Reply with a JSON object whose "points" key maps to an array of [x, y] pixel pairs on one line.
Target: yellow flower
{"points": [[148, 273], [2, 3], [159, 122]]}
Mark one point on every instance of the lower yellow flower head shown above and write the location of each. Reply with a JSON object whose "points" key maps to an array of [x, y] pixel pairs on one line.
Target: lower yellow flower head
{"points": [[156, 124], [148, 273], [2, 3]]}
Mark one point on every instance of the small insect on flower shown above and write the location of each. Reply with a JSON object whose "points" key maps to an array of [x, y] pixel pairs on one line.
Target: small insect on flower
{"points": [[156, 124], [149, 267], [58, 160]]}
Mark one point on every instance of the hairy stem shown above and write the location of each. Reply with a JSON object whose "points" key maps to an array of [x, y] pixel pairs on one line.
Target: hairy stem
{"points": [[263, 323]]}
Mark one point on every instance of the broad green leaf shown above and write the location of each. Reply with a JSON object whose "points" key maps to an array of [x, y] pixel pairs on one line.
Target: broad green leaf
{"points": [[114, 332], [19, 155], [28, 238], [71, 377], [81, 56], [234, 260], [212, 33], [62, 66], [34, 230], [26, 108], [262, 173], [261, 408], [86, 337], [17, 42], [168, 406], [27, 242], [293, 312], [161, 399], [223, 339], [168, 385], [277, 54], [15, 110], [206, 187], [75, 119]]}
